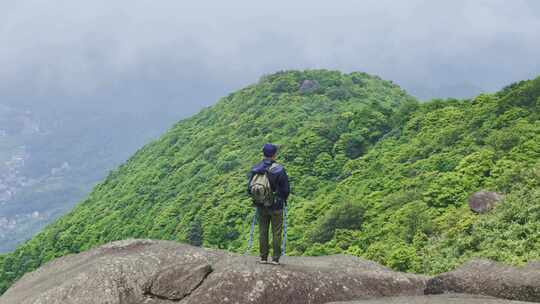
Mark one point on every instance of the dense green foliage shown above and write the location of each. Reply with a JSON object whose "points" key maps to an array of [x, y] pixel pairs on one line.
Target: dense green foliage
{"points": [[374, 174]]}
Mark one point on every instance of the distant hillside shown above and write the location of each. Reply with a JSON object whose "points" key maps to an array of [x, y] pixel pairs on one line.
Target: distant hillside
{"points": [[374, 174], [49, 160]]}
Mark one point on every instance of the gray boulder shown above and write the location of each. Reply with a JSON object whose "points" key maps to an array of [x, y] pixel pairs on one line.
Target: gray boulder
{"points": [[309, 86], [152, 272], [491, 279], [484, 201]]}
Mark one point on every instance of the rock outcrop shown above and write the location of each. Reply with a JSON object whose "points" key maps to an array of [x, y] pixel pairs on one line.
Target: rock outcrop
{"points": [[158, 272], [438, 299], [492, 279], [484, 201], [309, 86], [161, 272]]}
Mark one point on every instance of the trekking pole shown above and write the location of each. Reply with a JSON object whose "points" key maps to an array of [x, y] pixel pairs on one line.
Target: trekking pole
{"points": [[253, 222], [244, 226], [284, 241]]}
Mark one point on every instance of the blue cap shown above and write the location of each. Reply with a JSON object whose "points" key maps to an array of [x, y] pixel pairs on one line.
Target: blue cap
{"points": [[269, 150]]}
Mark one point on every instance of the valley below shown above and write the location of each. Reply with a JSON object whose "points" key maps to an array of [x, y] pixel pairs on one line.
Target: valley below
{"points": [[50, 160]]}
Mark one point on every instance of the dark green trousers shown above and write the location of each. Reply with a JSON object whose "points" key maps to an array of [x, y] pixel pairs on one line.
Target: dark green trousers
{"points": [[267, 217]]}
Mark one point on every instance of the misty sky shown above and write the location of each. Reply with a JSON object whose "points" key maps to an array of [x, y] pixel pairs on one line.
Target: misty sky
{"points": [[181, 55]]}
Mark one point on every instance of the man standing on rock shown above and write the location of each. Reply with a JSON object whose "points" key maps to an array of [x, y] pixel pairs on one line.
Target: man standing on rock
{"points": [[268, 185]]}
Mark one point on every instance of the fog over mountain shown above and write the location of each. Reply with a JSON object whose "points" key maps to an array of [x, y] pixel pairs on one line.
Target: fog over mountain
{"points": [[171, 51], [83, 85]]}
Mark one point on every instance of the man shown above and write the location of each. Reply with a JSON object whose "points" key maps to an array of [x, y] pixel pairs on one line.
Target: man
{"points": [[271, 210]]}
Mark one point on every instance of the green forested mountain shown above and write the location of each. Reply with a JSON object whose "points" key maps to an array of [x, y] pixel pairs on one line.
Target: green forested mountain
{"points": [[374, 173]]}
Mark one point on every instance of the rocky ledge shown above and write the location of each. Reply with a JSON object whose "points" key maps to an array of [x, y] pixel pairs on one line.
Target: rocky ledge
{"points": [[436, 299], [159, 272], [485, 277]]}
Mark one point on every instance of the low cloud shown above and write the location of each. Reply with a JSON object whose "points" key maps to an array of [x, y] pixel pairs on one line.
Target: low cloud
{"points": [[183, 56]]}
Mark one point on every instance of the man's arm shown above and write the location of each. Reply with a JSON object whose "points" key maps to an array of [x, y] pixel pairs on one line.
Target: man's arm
{"points": [[284, 187]]}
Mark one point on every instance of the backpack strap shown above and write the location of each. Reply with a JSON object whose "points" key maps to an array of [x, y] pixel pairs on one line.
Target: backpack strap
{"points": [[267, 172], [274, 165]]}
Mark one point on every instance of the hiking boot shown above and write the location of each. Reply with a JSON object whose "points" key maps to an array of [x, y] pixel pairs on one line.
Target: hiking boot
{"points": [[275, 262], [263, 261]]}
